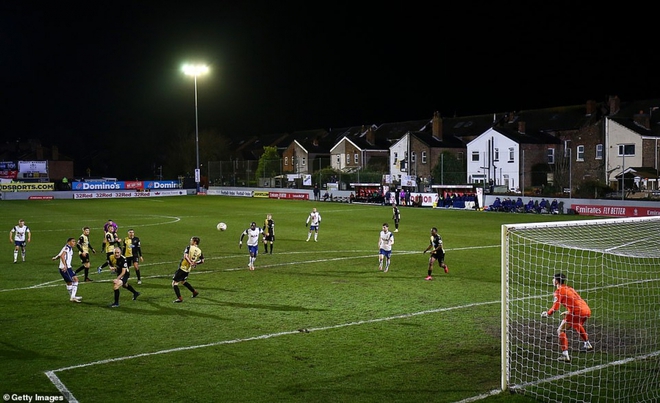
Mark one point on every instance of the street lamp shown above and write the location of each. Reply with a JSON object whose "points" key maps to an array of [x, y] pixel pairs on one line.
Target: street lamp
{"points": [[196, 70], [569, 150], [622, 148]]}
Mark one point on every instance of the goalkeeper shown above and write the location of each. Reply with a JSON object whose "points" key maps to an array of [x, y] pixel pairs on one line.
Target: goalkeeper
{"points": [[575, 316]]}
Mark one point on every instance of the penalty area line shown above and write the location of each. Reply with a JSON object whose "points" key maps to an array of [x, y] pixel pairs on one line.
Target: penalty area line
{"points": [[57, 382]]}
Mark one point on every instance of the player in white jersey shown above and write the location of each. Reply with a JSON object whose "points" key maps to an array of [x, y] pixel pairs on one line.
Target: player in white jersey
{"points": [[253, 233], [313, 220], [66, 271], [385, 242], [20, 235]]}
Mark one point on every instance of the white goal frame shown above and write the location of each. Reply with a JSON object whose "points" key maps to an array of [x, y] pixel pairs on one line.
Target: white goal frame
{"points": [[615, 266]]}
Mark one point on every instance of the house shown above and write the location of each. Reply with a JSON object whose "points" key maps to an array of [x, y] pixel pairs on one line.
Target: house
{"points": [[355, 147], [632, 131], [309, 151], [420, 151], [498, 156], [551, 146]]}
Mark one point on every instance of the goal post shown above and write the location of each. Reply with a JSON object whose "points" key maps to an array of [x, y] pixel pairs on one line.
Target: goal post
{"points": [[614, 264]]}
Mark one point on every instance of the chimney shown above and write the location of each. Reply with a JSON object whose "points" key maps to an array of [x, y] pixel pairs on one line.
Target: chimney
{"points": [[315, 142], [56, 153], [521, 127], [615, 104], [591, 107], [437, 126], [371, 136], [642, 119]]}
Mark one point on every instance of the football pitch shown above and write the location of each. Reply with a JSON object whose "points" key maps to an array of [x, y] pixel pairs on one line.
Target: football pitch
{"points": [[315, 322]]}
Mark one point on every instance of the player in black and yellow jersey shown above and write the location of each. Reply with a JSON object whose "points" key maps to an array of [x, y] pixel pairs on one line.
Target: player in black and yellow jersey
{"points": [[119, 267], [269, 233], [192, 256], [132, 249], [110, 242], [84, 248]]}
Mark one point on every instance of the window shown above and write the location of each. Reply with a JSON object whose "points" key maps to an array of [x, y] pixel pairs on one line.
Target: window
{"points": [[286, 161], [599, 151], [413, 156], [580, 153], [338, 160], [356, 158], [511, 154], [396, 158], [348, 159], [304, 160], [496, 154], [551, 155], [626, 149], [475, 156], [423, 157]]}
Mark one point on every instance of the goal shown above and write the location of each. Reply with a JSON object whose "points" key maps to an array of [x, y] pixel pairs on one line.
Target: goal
{"points": [[614, 264]]}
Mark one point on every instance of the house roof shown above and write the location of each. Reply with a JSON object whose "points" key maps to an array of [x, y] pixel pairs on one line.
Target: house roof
{"points": [[432, 141], [631, 114], [467, 128], [536, 137], [317, 141], [394, 131]]}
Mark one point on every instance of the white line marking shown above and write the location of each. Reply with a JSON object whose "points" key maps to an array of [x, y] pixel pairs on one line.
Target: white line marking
{"points": [[67, 393], [56, 283], [55, 380]]}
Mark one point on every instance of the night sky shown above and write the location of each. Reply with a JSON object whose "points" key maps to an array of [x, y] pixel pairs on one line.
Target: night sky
{"points": [[95, 72]]}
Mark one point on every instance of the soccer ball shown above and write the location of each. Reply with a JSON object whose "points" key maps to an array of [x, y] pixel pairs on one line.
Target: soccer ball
{"points": [[221, 226]]}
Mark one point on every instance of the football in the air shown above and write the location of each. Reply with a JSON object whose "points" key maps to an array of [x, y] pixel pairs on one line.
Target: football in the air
{"points": [[221, 226]]}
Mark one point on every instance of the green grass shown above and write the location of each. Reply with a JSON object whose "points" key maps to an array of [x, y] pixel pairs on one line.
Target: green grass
{"points": [[372, 336]]}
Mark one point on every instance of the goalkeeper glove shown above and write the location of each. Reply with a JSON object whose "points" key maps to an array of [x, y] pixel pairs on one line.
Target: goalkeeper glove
{"points": [[544, 314]]}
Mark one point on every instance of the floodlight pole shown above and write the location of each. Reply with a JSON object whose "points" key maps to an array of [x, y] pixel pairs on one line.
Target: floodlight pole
{"points": [[196, 70]]}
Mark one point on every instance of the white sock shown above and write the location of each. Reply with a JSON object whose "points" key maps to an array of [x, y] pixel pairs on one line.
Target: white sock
{"points": [[74, 289], [316, 236], [68, 289], [309, 236], [15, 254]]}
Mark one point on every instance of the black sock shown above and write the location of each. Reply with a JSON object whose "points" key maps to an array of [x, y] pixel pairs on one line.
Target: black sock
{"points": [[188, 286], [86, 272], [137, 271], [176, 291], [430, 271], [79, 269], [271, 248], [117, 297], [130, 288]]}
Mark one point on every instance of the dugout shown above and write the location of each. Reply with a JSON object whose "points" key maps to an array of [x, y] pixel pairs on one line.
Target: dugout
{"points": [[368, 193], [456, 196]]}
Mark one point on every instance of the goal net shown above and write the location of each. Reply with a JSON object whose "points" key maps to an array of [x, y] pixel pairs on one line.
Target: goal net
{"points": [[614, 264]]}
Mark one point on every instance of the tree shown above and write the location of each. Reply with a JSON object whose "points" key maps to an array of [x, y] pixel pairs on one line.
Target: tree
{"points": [[269, 164], [182, 151]]}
